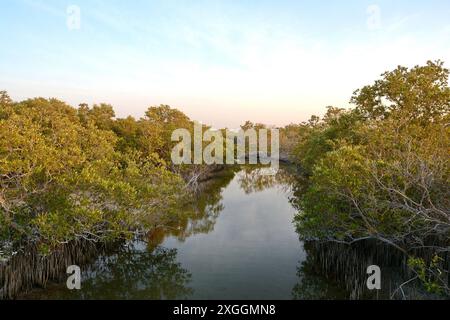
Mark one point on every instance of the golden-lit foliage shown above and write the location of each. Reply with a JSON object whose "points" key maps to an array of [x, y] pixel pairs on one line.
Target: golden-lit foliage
{"points": [[381, 170], [71, 173]]}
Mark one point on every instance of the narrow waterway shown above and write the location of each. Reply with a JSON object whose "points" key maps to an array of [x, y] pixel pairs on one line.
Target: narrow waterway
{"points": [[239, 242], [241, 245], [251, 252]]}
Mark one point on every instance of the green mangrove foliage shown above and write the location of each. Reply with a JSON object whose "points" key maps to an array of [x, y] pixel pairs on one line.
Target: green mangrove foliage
{"points": [[381, 170], [68, 174]]}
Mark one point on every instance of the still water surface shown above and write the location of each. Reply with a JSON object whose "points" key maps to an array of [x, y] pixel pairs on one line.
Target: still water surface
{"points": [[241, 244], [251, 253]]}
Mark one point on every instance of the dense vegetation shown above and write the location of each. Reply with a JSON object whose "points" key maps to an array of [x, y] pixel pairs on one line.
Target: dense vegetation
{"points": [[70, 174], [381, 169]]}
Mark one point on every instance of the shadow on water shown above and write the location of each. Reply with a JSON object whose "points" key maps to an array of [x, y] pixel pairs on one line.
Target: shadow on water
{"points": [[133, 272], [339, 271]]}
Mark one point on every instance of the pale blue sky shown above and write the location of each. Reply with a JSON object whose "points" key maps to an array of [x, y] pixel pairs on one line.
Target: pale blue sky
{"points": [[221, 62]]}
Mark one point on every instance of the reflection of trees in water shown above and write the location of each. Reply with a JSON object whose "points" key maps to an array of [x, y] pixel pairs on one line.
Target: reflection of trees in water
{"points": [[313, 286], [255, 179], [201, 214], [333, 270], [29, 268], [299, 187], [136, 274]]}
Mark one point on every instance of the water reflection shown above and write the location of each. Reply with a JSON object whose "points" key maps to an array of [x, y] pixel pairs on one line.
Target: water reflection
{"points": [[134, 273], [253, 179], [200, 215], [339, 271], [131, 273], [236, 240], [253, 250], [312, 285]]}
